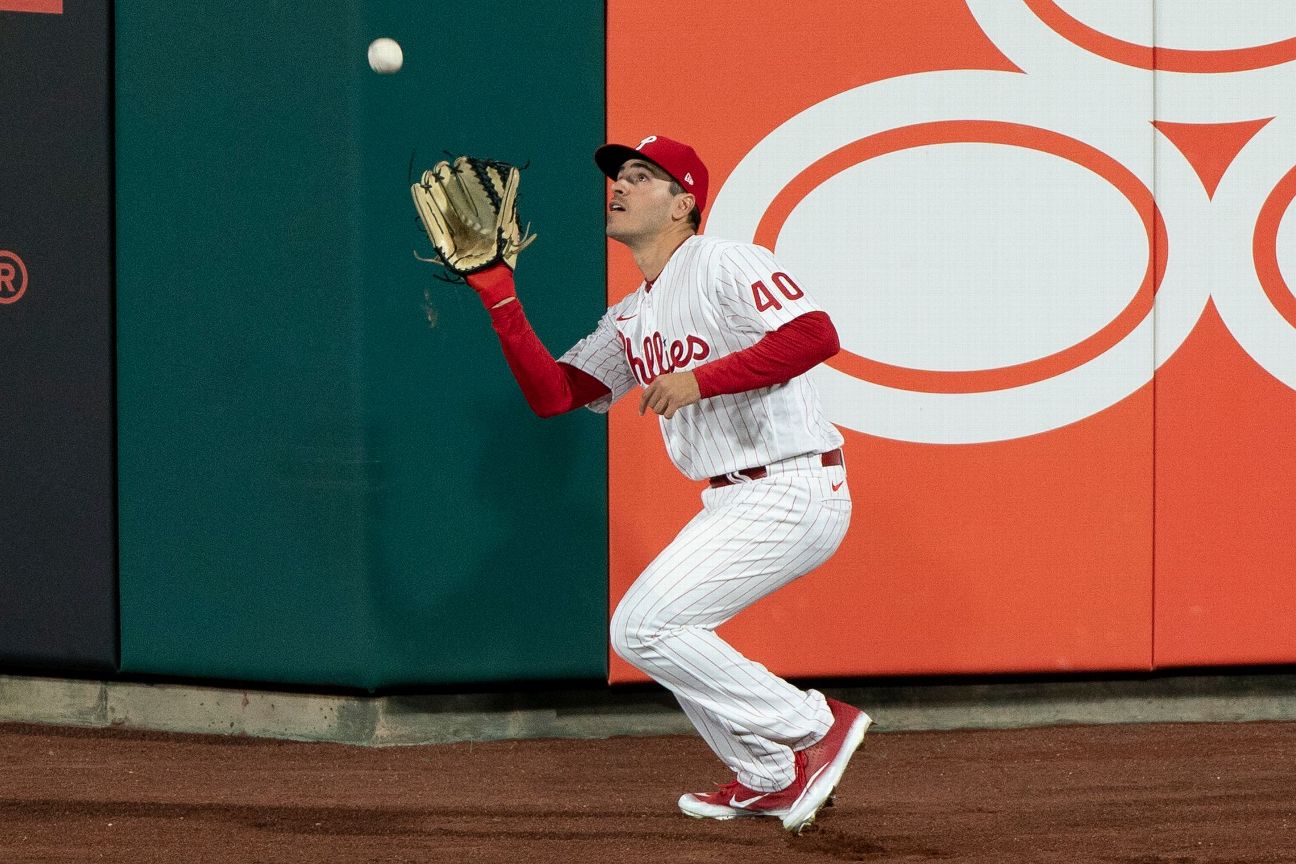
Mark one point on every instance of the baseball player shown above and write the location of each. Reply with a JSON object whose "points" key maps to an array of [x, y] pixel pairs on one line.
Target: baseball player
{"points": [[719, 336]]}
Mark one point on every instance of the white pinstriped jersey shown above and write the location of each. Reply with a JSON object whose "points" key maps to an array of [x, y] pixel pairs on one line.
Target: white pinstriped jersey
{"points": [[714, 297]]}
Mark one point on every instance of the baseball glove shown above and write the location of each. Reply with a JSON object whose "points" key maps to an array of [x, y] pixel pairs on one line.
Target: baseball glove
{"points": [[469, 210]]}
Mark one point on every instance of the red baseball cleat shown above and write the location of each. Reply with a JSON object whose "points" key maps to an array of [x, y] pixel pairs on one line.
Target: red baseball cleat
{"points": [[821, 765], [734, 800]]}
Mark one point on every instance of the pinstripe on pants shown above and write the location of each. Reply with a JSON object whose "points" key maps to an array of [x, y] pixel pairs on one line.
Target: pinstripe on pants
{"points": [[749, 540]]}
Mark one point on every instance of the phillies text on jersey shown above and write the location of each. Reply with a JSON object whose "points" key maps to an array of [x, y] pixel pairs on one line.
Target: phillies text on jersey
{"points": [[713, 297]]}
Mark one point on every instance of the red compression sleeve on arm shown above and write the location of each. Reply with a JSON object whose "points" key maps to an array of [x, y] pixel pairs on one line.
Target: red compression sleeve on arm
{"points": [[791, 350], [492, 284], [550, 387]]}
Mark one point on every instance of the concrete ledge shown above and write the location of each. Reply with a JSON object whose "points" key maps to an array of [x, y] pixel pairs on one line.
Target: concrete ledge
{"points": [[601, 713], [1155, 699], [185, 708], [52, 700]]}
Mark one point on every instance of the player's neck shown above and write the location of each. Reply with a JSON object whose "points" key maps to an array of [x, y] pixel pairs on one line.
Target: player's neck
{"points": [[653, 255]]}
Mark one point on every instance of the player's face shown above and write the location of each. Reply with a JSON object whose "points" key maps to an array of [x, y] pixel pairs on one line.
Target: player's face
{"points": [[641, 203]]}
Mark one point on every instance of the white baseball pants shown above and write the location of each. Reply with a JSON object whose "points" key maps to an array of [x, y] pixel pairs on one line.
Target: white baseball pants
{"points": [[750, 539]]}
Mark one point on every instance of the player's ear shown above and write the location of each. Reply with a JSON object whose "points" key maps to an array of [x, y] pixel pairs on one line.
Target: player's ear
{"points": [[683, 206]]}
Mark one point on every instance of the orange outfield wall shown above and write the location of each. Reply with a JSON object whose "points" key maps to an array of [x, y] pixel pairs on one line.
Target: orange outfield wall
{"points": [[1081, 524]]}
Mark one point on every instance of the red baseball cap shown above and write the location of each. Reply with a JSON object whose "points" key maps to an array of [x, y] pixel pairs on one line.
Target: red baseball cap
{"points": [[678, 160]]}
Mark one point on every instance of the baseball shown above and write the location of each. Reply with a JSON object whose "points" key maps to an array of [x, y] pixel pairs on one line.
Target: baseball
{"points": [[385, 56]]}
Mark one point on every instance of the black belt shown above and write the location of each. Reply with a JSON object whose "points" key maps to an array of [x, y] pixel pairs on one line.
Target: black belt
{"points": [[832, 457]]}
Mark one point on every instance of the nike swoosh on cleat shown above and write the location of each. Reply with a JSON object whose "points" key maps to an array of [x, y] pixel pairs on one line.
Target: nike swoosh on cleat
{"points": [[734, 802], [624, 317]]}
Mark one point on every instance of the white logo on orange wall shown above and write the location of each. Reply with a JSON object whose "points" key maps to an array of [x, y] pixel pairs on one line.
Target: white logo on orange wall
{"points": [[989, 243]]}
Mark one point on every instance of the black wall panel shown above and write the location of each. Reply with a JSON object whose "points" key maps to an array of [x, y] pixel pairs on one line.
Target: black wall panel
{"points": [[58, 584]]}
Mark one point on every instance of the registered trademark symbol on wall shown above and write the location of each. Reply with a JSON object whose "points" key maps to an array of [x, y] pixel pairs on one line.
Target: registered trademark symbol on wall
{"points": [[13, 276]]}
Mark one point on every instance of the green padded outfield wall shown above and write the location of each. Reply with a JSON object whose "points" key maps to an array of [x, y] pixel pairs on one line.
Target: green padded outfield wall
{"points": [[317, 484]]}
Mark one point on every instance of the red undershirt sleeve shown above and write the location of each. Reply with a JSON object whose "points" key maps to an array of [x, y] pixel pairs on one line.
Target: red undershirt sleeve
{"points": [[550, 387], [780, 355]]}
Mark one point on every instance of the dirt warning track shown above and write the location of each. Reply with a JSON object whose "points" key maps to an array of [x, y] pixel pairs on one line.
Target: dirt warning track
{"points": [[1145, 794]]}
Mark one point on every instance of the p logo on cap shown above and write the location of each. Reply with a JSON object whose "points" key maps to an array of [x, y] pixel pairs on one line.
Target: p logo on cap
{"points": [[678, 160]]}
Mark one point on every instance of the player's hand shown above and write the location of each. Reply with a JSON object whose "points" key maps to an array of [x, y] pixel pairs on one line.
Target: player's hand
{"points": [[670, 392]]}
